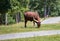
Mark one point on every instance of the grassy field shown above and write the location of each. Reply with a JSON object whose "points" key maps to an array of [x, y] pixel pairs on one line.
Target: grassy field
{"points": [[20, 27], [39, 38]]}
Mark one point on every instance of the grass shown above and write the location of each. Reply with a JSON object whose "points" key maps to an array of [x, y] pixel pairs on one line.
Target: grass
{"points": [[39, 38], [19, 27]]}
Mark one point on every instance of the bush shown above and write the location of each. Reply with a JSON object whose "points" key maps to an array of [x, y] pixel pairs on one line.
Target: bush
{"points": [[10, 19]]}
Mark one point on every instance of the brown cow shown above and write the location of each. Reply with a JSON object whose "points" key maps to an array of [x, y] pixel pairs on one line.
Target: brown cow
{"points": [[32, 16]]}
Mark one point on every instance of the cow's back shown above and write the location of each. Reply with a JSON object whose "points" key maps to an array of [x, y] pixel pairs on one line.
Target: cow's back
{"points": [[31, 14]]}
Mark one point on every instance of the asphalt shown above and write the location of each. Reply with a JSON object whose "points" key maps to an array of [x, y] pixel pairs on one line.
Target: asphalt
{"points": [[28, 34], [52, 20]]}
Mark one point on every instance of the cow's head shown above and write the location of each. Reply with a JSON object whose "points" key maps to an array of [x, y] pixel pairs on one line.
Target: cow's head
{"points": [[38, 22]]}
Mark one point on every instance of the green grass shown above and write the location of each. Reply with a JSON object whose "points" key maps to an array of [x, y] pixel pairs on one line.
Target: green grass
{"points": [[20, 27], [39, 38]]}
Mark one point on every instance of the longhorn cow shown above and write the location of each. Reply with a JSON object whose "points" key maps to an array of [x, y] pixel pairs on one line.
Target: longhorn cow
{"points": [[32, 16]]}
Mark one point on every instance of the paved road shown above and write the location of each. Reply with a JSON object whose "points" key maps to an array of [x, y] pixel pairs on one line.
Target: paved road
{"points": [[28, 34], [51, 20]]}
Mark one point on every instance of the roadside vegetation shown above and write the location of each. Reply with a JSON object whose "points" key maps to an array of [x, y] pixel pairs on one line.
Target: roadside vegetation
{"points": [[19, 27]]}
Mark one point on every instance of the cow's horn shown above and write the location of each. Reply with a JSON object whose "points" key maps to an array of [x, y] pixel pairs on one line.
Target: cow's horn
{"points": [[35, 20]]}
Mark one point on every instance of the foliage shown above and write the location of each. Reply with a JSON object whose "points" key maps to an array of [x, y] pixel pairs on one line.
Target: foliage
{"points": [[48, 7], [4, 6], [10, 19]]}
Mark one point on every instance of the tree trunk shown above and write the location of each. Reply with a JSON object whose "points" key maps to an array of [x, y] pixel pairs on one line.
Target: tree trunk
{"points": [[48, 11], [18, 17], [45, 8], [6, 19]]}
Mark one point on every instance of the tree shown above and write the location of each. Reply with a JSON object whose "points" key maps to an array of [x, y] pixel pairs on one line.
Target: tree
{"points": [[17, 7], [4, 6]]}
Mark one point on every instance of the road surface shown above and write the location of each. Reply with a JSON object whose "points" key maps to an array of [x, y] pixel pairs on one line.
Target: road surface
{"points": [[52, 20], [28, 34]]}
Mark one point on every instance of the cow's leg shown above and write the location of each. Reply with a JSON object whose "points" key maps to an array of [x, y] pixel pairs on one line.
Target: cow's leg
{"points": [[25, 23], [33, 23]]}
